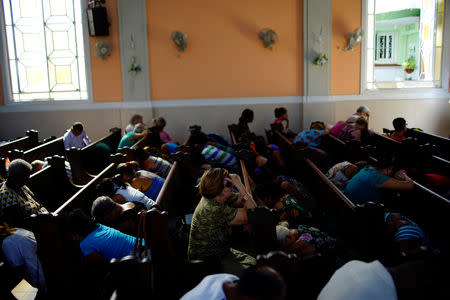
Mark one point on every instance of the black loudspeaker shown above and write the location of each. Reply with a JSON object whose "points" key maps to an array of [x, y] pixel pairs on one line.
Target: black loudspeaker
{"points": [[97, 21]]}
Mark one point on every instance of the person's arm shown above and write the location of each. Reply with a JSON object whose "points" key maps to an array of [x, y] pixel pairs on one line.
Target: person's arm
{"points": [[119, 199], [138, 136], [395, 184], [86, 139], [66, 141], [249, 203]]}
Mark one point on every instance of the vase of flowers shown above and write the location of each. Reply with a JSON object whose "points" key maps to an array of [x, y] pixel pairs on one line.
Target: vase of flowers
{"points": [[409, 65]]}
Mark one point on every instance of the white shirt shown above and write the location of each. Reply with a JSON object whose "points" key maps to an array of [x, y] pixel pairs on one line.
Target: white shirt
{"points": [[70, 140], [210, 287], [359, 280], [20, 249], [129, 128], [133, 195]]}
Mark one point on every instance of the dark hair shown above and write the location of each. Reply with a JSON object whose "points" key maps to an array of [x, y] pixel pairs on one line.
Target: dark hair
{"points": [[159, 122], [318, 125], [198, 138], [126, 168], [77, 126], [246, 116], [385, 160], [79, 222], [106, 187], [135, 119], [279, 111], [361, 164], [261, 282], [399, 124], [140, 155]]}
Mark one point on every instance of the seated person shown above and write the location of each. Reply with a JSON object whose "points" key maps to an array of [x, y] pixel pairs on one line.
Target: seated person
{"points": [[281, 117], [76, 137], [147, 182], [123, 217], [210, 235], [258, 282], [368, 184], [290, 209], [132, 137], [354, 131], [337, 128], [270, 151], [399, 129], [243, 129], [312, 137], [160, 123], [122, 192], [362, 111], [152, 163], [97, 241], [212, 154], [17, 202], [135, 119], [342, 172], [405, 233], [19, 248], [304, 240]]}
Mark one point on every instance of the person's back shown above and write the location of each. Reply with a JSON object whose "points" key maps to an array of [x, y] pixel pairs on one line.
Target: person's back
{"points": [[149, 183], [219, 157], [363, 187]]}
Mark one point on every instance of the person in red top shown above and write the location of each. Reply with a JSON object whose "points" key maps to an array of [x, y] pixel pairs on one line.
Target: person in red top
{"points": [[400, 129]]}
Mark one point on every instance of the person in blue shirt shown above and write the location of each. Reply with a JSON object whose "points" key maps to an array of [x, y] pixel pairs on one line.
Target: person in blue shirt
{"points": [[368, 184], [98, 242]]}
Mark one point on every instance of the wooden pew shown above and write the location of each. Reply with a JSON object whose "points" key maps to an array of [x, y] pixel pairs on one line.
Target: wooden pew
{"points": [[59, 256], [93, 158], [442, 143], [27, 142], [174, 275], [262, 220], [51, 185], [53, 147]]}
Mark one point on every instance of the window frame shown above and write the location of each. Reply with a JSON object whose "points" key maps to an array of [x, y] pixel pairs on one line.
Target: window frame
{"points": [[409, 92], [6, 73]]}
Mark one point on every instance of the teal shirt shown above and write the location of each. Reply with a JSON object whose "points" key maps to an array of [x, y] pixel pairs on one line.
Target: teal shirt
{"points": [[362, 187], [124, 142]]}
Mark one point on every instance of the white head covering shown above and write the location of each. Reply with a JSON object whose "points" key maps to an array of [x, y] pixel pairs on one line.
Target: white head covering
{"points": [[359, 280]]}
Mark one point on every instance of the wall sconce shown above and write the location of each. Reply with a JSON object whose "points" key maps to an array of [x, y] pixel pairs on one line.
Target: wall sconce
{"points": [[180, 40], [354, 38], [103, 49], [268, 37]]}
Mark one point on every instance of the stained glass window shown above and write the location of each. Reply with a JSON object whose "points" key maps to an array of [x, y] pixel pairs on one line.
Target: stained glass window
{"points": [[45, 49]]}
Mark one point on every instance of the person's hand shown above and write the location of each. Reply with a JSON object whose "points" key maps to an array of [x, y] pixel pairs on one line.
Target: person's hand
{"points": [[401, 175], [236, 181]]}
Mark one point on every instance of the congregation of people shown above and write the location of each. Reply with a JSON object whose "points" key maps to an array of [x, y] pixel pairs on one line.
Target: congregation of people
{"points": [[220, 226]]}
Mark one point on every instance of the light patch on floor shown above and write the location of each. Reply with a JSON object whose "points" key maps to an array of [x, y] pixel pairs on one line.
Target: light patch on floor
{"points": [[24, 291]]}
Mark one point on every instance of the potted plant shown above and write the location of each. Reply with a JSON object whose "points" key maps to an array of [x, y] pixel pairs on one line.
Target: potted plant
{"points": [[409, 65]]}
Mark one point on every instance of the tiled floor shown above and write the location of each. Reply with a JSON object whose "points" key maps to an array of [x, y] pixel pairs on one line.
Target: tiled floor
{"points": [[24, 291]]}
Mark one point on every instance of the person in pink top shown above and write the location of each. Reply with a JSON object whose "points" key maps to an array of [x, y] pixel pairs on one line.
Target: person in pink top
{"points": [[282, 118], [160, 123]]}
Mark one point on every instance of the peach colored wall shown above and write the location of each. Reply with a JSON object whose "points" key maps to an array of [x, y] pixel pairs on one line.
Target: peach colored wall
{"points": [[224, 57], [106, 74], [345, 65]]}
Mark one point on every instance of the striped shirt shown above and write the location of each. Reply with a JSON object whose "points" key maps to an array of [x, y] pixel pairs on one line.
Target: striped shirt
{"points": [[218, 157], [162, 166]]}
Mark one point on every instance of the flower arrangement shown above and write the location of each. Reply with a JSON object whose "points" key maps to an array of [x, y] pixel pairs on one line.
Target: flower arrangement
{"points": [[321, 59], [134, 68], [409, 65]]}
